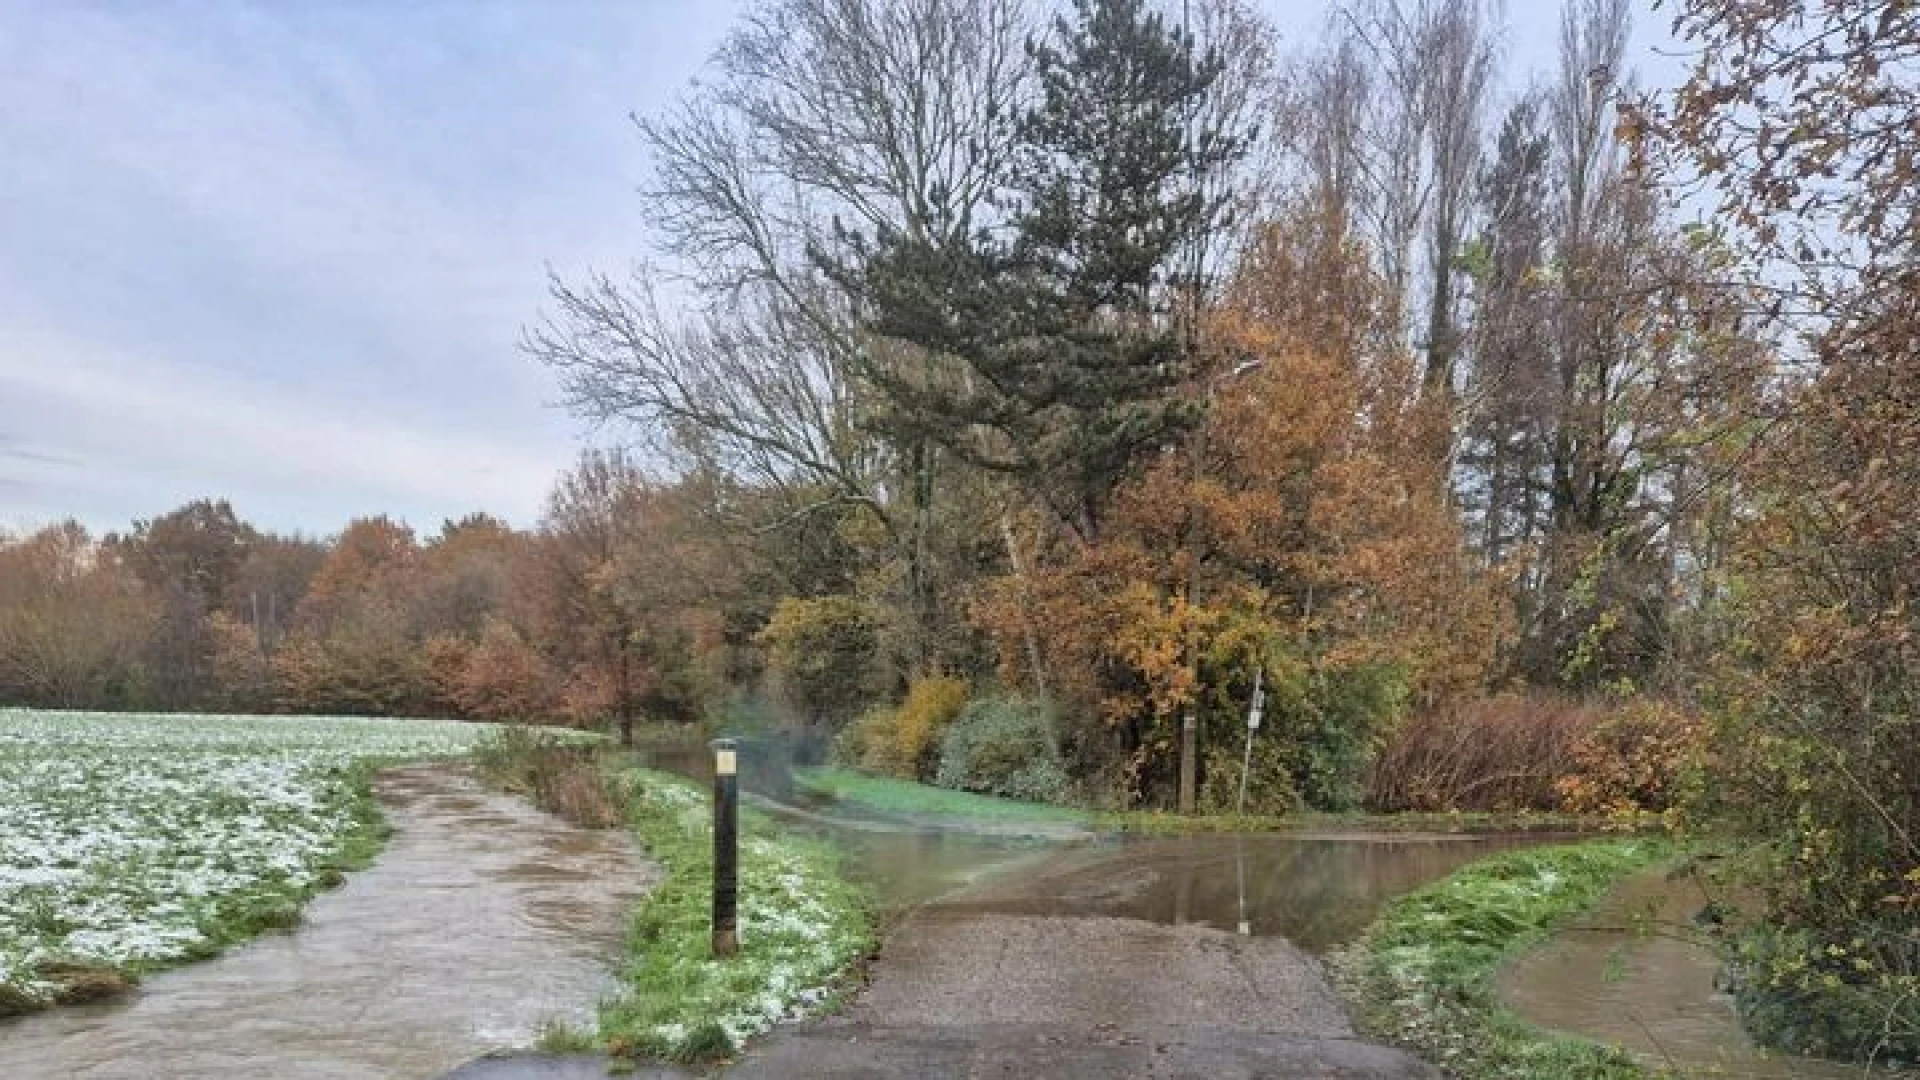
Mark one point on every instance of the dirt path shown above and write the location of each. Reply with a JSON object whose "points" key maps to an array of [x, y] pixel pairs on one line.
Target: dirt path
{"points": [[482, 919], [967, 994]]}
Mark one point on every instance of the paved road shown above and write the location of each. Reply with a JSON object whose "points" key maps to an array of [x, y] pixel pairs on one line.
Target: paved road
{"points": [[1022, 975], [998, 995]]}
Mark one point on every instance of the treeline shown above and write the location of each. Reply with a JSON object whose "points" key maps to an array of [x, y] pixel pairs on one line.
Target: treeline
{"points": [[1092, 363], [1111, 357], [199, 610], [1107, 357]]}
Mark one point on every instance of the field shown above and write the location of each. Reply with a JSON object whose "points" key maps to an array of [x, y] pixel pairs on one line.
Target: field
{"points": [[133, 842]]}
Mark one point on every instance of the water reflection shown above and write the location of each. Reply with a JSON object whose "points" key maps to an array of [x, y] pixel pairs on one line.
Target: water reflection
{"points": [[1316, 891]]}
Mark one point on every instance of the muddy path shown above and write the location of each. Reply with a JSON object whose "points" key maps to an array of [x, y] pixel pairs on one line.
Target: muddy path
{"points": [[482, 920], [1638, 972], [1144, 957]]}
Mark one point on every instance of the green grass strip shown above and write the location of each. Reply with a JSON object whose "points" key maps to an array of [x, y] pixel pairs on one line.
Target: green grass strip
{"points": [[1423, 974], [803, 927], [896, 796]]}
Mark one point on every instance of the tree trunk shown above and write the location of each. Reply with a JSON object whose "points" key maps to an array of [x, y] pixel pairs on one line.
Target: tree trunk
{"points": [[1035, 663]]}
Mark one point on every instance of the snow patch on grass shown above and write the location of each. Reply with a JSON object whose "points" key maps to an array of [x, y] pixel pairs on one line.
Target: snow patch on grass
{"points": [[136, 841], [802, 926], [1422, 975]]}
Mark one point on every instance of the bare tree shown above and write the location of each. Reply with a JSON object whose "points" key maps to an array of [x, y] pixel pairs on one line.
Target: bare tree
{"points": [[1327, 114], [1393, 136], [1392, 112], [1244, 98], [1458, 42], [823, 123]]}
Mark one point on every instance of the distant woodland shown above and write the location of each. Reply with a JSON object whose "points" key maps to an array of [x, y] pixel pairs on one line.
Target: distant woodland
{"points": [[1060, 372]]}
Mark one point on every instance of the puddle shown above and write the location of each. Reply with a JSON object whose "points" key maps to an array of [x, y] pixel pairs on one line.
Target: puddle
{"points": [[909, 869], [1637, 973], [1315, 891], [481, 921]]}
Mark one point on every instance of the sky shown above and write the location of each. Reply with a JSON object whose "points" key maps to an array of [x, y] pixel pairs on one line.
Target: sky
{"points": [[281, 251]]}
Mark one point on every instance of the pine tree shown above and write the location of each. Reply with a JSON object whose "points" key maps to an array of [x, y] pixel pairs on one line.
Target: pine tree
{"points": [[1053, 348]]}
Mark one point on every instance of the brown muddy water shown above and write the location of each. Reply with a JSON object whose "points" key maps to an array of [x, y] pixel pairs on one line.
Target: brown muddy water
{"points": [[1316, 891], [1638, 973], [482, 920]]}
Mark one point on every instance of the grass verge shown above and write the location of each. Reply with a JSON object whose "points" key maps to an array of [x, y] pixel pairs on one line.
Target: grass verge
{"points": [[1470, 822], [895, 796], [803, 928], [1423, 974]]}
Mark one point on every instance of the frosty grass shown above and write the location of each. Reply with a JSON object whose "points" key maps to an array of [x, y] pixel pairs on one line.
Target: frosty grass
{"points": [[126, 841], [802, 926]]}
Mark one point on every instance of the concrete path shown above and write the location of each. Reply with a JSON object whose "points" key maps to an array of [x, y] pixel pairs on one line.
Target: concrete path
{"points": [[1057, 967], [998, 995]]}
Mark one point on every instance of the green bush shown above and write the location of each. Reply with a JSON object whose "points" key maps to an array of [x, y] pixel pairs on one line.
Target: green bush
{"points": [[823, 654], [1857, 999], [1005, 747], [854, 743], [1327, 723], [1270, 787]]}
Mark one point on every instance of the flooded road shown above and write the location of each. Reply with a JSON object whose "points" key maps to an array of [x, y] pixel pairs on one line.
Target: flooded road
{"points": [[1316, 891], [482, 920], [1636, 972], [1155, 956]]}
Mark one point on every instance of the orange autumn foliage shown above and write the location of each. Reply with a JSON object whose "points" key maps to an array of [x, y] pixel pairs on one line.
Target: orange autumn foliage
{"points": [[1307, 525]]}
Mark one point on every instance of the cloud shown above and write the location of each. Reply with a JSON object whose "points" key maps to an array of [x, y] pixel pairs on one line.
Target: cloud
{"points": [[31, 456], [194, 434], [282, 252]]}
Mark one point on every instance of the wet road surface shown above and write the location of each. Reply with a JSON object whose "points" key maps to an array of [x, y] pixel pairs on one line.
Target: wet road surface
{"points": [[1315, 890], [482, 920], [1147, 957]]}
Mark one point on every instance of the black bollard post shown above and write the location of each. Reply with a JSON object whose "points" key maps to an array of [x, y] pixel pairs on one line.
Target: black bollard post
{"points": [[726, 847]]}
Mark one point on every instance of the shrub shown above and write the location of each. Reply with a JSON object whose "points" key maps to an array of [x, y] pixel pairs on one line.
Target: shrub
{"points": [[1501, 753], [561, 777], [1856, 998], [1338, 731], [1006, 747], [1631, 759], [854, 743], [903, 742], [1270, 787], [823, 654], [1537, 752]]}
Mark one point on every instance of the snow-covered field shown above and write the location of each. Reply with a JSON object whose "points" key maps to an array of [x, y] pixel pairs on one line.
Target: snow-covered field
{"points": [[135, 841]]}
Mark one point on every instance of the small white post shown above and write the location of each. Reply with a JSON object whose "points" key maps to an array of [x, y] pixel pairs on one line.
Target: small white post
{"points": [[1254, 710]]}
